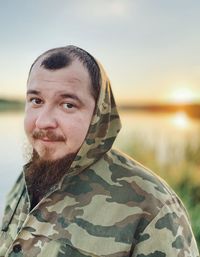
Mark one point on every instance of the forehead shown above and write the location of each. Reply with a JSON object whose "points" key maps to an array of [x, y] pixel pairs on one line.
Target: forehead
{"points": [[73, 72], [70, 80]]}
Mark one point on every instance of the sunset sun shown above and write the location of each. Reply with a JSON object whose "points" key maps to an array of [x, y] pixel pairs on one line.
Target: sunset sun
{"points": [[182, 95]]}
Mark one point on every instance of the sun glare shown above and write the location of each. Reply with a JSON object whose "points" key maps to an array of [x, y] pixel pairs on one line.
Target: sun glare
{"points": [[183, 95], [180, 120]]}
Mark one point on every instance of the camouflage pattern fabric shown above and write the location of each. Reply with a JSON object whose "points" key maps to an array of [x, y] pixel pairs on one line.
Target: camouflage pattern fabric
{"points": [[106, 205]]}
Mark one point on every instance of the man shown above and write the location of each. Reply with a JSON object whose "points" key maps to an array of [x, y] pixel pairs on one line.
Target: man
{"points": [[77, 196]]}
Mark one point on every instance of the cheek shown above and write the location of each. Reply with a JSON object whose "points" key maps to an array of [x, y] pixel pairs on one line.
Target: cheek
{"points": [[28, 123], [76, 129]]}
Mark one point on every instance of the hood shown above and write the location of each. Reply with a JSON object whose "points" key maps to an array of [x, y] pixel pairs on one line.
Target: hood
{"points": [[103, 129]]}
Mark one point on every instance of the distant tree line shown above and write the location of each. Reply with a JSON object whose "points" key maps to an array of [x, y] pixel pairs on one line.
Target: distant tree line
{"points": [[11, 105], [192, 109]]}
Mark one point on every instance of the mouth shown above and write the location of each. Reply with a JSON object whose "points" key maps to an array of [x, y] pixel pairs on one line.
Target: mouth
{"points": [[46, 140]]}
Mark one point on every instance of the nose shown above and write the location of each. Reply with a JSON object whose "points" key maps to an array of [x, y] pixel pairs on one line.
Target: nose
{"points": [[46, 119]]}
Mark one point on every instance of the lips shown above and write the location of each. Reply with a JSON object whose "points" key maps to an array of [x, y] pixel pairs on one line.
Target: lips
{"points": [[49, 140], [46, 139]]}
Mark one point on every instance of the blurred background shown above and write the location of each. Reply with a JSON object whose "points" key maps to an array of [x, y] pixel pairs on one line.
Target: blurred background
{"points": [[150, 50]]}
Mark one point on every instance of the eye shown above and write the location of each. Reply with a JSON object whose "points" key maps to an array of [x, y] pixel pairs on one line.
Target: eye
{"points": [[35, 101], [68, 106]]}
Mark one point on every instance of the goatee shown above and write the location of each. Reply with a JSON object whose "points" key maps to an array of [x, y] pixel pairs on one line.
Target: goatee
{"points": [[41, 175]]}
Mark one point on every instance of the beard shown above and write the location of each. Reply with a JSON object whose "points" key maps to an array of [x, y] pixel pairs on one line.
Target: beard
{"points": [[41, 174]]}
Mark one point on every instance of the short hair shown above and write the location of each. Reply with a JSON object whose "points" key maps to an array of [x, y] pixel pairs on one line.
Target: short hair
{"points": [[61, 57]]}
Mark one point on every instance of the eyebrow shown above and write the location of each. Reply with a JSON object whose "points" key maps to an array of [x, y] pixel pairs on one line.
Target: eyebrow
{"points": [[69, 95], [63, 96], [31, 91]]}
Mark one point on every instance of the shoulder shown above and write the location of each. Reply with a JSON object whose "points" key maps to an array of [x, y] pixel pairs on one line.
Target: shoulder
{"points": [[16, 188], [163, 217], [135, 185], [12, 200], [151, 206], [144, 181]]}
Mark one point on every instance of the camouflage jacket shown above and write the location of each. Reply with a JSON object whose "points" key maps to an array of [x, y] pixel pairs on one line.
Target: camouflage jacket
{"points": [[106, 205]]}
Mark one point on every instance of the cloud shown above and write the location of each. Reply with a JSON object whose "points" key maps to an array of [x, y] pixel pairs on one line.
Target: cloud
{"points": [[90, 9], [112, 8]]}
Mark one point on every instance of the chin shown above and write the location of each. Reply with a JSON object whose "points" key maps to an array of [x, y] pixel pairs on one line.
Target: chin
{"points": [[46, 153], [50, 156]]}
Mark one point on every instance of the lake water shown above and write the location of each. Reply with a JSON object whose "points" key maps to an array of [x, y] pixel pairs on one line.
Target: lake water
{"points": [[157, 130]]}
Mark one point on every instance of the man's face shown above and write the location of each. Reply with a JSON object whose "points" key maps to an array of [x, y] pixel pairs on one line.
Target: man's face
{"points": [[59, 108]]}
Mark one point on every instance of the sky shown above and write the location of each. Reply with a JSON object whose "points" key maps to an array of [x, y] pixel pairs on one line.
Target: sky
{"points": [[150, 49]]}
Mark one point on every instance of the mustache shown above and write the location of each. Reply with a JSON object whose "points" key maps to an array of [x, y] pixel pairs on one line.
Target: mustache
{"points": [[41, 134]]}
